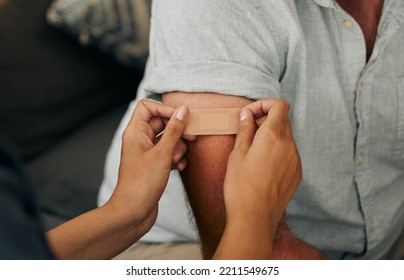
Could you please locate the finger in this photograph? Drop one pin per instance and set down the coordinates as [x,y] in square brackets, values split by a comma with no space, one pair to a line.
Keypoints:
[246,129]
[275,126]
[260,120]
[278,116]
[261,107]
[179,151]
[174,129]
[181,165]
[156,126]
[189,137]
[185,136]
[152,113]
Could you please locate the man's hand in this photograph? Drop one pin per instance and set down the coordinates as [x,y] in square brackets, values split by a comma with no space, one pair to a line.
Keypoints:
[263,172]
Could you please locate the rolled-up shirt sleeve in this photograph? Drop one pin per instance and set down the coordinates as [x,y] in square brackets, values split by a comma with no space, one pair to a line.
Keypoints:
[223,46]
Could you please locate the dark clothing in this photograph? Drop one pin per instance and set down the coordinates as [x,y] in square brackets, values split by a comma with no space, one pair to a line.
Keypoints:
[49,85]
[21,235]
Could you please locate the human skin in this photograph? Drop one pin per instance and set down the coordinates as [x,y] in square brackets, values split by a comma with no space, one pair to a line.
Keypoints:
[255,198]
[145,167]
[132,210]
[118,227]
[204,178]
[263,172]
[367,14]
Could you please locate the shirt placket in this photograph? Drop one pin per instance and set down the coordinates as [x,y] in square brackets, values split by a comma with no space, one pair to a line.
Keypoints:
[358,79]
[362,107]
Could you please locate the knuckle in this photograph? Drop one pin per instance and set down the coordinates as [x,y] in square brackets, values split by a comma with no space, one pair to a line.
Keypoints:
[173,129]
[143,101]
[128,135]
[284,104]
[244,127]
[140,104]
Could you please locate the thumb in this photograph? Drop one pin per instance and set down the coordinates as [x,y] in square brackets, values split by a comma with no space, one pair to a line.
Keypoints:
[246,129]
[173,130]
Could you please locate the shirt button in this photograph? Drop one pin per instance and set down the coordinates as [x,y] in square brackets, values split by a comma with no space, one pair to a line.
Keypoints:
[360,158]
[361,88]
[371,225]
[347,24]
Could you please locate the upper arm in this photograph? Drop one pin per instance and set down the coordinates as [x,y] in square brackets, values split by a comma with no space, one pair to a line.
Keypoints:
[212,145]
[207,156]
[207,160]
[199,49]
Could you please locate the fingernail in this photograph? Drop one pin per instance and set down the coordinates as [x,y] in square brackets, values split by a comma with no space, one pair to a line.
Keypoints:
[243,114]
[181,113]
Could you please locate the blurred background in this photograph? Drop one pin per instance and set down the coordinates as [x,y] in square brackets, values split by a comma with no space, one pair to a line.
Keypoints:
[68,69]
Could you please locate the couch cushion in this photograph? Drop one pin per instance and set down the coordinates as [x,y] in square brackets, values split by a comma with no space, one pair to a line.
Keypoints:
[68,175]
[118,27]
[49,85]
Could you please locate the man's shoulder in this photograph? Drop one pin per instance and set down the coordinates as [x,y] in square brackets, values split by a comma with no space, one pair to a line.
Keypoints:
[219,9]
[266,21]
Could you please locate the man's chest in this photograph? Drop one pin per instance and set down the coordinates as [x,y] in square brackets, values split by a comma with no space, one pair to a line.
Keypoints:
[367,14]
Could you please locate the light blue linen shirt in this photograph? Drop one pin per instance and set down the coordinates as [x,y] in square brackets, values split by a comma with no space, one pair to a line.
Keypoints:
[347,113]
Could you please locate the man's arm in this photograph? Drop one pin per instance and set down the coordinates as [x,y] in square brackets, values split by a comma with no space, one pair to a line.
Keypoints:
[289,247]
[207,161]
[204,177]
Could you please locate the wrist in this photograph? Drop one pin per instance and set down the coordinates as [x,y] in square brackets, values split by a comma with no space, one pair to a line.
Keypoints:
[255,227]
[121,217]
[254,218]
[245,240]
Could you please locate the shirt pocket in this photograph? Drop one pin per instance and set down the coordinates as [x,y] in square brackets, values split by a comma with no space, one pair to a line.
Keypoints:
[398,152]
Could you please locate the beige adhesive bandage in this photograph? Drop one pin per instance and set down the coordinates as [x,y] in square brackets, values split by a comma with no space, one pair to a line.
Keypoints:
[218,121]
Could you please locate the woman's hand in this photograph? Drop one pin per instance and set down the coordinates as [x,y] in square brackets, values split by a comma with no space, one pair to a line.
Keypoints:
[146,160]
[263,173]
[143,173]
[264,170]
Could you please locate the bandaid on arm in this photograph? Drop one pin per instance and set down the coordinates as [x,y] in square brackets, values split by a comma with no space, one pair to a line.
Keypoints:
[215,121]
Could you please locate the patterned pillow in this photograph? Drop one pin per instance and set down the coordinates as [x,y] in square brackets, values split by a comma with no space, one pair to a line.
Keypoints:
[117,27]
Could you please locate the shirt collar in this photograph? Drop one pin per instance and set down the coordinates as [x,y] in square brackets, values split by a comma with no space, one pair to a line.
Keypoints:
[393,16]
